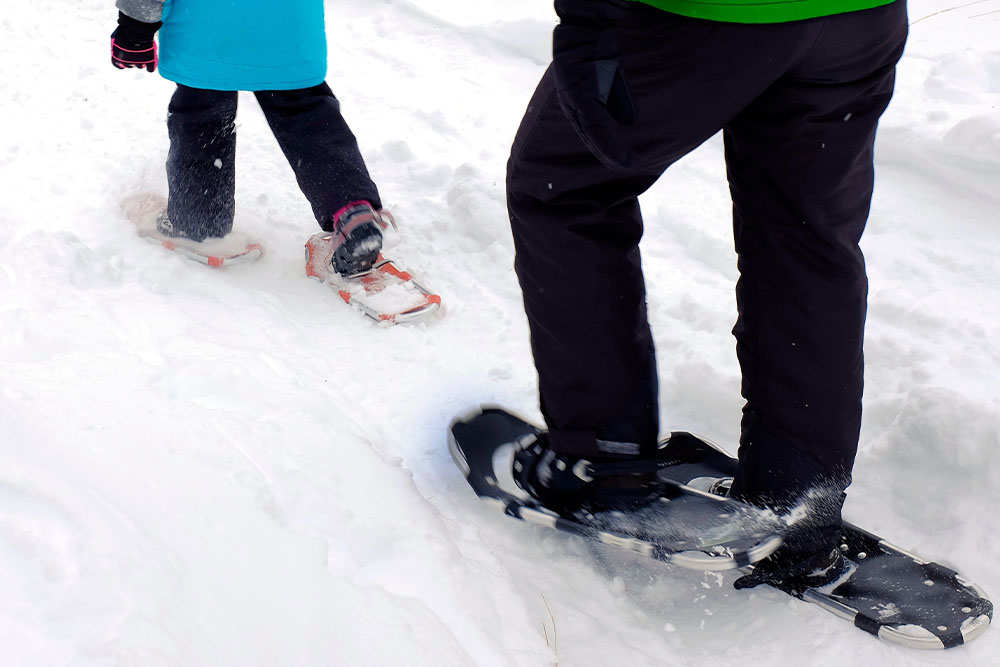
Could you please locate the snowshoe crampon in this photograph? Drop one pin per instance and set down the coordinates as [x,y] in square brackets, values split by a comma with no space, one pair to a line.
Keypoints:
[885,590]
[686,527]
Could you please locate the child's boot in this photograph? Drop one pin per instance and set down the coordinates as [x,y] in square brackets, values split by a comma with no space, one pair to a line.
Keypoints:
[352,246]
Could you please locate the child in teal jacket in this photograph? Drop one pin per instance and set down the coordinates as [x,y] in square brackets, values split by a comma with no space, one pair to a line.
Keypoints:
[213,49]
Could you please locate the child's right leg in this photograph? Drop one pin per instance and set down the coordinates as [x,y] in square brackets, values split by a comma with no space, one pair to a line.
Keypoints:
[201,165]
[331,173]
[321,149]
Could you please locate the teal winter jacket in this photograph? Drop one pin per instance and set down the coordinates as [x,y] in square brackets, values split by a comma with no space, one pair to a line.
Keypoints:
[237,44]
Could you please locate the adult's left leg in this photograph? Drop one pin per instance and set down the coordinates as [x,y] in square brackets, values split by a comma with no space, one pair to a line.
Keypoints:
[576,228]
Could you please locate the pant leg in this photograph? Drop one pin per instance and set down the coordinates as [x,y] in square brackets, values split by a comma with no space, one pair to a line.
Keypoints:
[201,163]
[801,174]
[320,147]
[577,260]
[577,224]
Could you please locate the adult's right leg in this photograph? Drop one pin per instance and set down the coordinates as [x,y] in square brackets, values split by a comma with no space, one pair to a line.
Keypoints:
[800,163]
[201,164]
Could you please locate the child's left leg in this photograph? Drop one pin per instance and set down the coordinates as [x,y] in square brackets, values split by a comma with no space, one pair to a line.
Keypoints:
[321,149]
[201,165]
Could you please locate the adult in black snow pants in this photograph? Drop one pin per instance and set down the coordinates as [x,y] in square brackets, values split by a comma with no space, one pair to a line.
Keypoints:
[632,88]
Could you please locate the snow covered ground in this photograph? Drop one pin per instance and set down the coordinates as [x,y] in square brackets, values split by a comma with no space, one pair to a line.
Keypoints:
[204,468]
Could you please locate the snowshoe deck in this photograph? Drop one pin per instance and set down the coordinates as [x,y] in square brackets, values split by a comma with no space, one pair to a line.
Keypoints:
[687,527]
[885,591]
[236,248]
[385,294]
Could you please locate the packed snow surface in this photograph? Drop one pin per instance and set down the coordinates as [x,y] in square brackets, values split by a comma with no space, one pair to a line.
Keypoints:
[203,467]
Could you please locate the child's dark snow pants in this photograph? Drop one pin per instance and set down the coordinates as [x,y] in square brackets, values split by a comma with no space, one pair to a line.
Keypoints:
[798,104]
[201,165]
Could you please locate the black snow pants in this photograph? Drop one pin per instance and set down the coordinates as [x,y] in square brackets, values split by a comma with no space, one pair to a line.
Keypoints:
[315,138]
[798,104]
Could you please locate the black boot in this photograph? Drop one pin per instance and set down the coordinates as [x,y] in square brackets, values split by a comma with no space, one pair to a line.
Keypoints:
[566,483]
[809,497]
